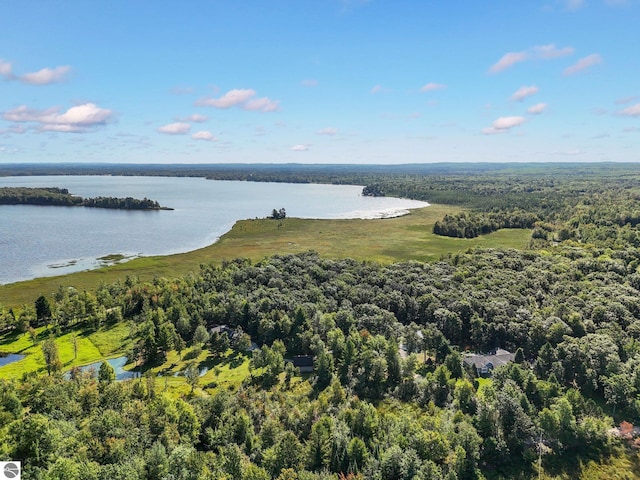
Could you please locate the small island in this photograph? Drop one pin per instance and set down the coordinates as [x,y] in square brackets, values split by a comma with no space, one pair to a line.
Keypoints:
[60,197]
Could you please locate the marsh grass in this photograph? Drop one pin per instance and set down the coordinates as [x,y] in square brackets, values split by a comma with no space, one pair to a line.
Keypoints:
[383,240]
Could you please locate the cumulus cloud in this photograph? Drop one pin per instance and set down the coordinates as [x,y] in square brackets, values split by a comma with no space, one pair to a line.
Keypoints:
[195,118]
[243,98]
[583,64]
[550,51]
[539,52]
[508,60]
[262,105]
[177,128]
[537,109]
[5,69]
[632,111]
[524,92]
[327,131]
[300,148]
[204,135]
[46,76]
[503,125]
[78,119]
[429,87]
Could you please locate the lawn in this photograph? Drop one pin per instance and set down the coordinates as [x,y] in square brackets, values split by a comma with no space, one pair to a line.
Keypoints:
[90,347]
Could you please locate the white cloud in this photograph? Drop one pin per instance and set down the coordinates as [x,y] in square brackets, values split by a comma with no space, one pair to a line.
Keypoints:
[78,119]
[539,52]
[300,148]
[46,76]
[429,87]
[524,92]
[230,99]
[550,51]
[632,111]
[5,69]
[310,82]
[195,118]
[204,135]
[508,60]
[537,109]
[503,125]
[583,64]
[243,98]
[178,128]
[262,105]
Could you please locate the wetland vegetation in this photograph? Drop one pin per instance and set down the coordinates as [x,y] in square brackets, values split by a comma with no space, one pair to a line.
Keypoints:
[387,309]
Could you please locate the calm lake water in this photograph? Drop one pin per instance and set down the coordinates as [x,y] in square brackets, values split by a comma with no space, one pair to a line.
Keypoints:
[44,241]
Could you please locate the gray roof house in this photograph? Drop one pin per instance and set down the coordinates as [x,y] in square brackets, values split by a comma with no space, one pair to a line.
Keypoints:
[485,364]
[303,362]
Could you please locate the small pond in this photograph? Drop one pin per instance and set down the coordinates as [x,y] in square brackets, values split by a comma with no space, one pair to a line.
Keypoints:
[7,358]
[117,364]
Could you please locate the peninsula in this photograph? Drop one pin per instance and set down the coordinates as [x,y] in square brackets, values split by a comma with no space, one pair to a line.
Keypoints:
[53,196]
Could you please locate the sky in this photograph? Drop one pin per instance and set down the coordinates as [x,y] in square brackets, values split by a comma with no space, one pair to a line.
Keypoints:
[319,81]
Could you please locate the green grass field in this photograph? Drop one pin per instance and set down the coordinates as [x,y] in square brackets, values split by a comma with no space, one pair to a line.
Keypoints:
[386,240]
[91,347]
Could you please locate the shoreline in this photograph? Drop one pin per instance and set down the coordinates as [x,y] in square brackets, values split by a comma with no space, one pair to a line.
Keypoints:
[63,267]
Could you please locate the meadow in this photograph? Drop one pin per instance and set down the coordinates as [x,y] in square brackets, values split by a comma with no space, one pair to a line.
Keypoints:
[386,241]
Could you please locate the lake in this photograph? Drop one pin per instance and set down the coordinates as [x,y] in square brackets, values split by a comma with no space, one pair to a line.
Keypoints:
[38,241]
[118,365]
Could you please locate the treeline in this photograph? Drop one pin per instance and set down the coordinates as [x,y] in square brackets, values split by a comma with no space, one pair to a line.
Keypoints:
[473,224]
[38,196]
[61,197]
[127,203]
[390,397]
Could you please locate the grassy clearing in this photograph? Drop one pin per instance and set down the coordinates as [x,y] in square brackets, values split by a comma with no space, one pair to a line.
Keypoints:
[91,347]
[387,240]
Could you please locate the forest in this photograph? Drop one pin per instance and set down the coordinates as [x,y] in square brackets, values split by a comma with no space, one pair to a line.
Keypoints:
[390,395]
[53,196]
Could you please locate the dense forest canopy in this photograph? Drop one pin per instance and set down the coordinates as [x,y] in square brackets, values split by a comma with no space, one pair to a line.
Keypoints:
[54,196]
[390,396]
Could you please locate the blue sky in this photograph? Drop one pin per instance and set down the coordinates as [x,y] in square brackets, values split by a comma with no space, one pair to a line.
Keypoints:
[324,81]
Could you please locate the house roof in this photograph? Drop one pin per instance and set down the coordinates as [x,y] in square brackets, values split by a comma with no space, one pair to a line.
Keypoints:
[221,329]
[500,357]
[302,361]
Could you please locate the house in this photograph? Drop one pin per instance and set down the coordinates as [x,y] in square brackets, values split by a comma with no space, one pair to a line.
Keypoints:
[220,329]
[304,363]
[485,364]
[234,335]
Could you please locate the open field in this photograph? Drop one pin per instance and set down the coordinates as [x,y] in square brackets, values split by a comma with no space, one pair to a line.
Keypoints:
[91,347]
[388,240]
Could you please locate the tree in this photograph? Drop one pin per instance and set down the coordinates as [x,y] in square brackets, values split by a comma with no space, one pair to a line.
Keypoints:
[324,369]
[51,358]
[200,336]
[43,309]
[278,214]
[192,375]
[106,373]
